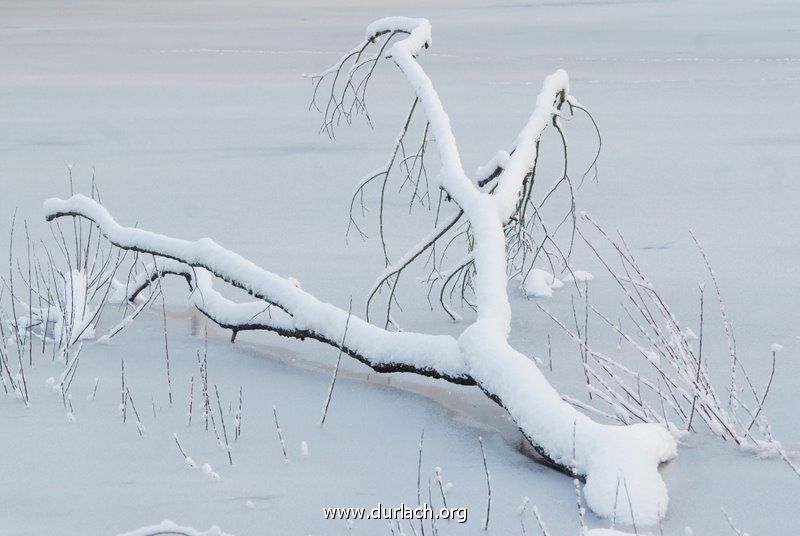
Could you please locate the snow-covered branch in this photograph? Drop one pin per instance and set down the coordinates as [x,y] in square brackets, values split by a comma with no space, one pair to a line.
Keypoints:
[384,351]
[564,436]
[489,214]
[569,440]
[249,316]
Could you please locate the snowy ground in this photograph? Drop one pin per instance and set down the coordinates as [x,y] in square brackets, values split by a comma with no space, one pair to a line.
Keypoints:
[194,117]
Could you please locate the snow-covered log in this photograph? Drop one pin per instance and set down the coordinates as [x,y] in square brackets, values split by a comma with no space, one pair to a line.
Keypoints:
[605,454]
[611,458]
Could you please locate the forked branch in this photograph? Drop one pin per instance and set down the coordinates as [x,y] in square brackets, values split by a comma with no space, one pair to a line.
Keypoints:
[567,439]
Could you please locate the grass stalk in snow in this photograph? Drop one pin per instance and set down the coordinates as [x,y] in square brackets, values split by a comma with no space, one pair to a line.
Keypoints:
[540,521]
[139,425]
[674,387]
[123,405]
[336,368]
[189,461]
[419,476]
[57,292]
[166,342]
[434,529]
[15,325]
[203,365]
[488,486]
[93,394]
[238,418]
[441,485]
[227,445]
[280,434]
[731,523]
[191,401]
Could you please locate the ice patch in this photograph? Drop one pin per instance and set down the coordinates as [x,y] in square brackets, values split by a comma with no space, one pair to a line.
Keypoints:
[579,276]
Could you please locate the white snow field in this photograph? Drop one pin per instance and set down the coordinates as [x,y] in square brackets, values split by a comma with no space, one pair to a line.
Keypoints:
[194,117]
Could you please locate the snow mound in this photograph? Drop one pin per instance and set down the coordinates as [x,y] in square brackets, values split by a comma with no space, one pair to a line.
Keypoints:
[168,527]
[540,284]
[625,463]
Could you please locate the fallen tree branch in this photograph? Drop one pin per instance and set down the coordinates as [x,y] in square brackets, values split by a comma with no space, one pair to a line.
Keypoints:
[567,439]
[254,316]
[481,356]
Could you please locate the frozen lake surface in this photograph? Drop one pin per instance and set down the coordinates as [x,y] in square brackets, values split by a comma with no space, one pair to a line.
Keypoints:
[194,117]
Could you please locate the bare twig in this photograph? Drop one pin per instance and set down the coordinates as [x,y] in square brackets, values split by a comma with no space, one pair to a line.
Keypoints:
[488,486]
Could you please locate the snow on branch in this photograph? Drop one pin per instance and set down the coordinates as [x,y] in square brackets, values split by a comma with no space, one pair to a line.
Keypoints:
[508,200]
[568,440]
[430,355]
[226,313]
[565,437]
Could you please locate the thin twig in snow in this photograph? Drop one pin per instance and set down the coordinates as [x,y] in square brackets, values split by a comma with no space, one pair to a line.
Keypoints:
[488,486]
[280,434]
[336,368]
